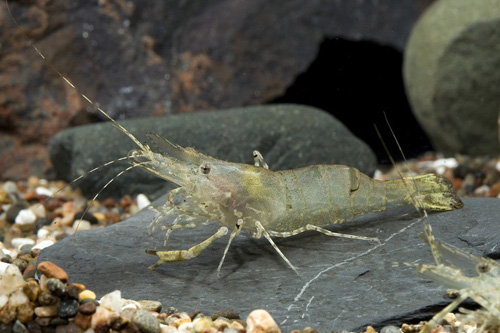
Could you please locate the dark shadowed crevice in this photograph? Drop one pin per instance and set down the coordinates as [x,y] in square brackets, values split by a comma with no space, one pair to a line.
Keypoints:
[357,82]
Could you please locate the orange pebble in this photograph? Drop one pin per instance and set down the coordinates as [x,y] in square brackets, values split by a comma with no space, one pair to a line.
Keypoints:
[51,270]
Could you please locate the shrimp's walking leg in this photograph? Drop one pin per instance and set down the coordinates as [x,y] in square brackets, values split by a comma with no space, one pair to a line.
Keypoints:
[179,255]
[323,231]
[440,316]
[262,231]
[234,233]
[258,160]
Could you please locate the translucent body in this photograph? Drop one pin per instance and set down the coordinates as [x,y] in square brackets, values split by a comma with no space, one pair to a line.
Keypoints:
[282,203]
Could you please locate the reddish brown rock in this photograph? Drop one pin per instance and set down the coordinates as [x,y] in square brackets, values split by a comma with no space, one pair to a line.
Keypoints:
[51,270]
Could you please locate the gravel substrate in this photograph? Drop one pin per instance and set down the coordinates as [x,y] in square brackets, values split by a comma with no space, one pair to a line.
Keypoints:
[37,213]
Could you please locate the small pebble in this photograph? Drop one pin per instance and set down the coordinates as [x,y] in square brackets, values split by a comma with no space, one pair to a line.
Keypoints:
[72,290]
[261,321]
[25,216]
[100,316]
[20,241]
[55,286]
[17,298]
[151,306]
[83,321]
[21,264]
[46,311]
[43,244]
[142,201]
[146,322]
[19,327]
[44,191]
[26,248]
[45,298]
[14,210]
[80,225]
[24,313]
[87,294]
[87,308]
[67,308]
[31,289]
[112,301]
[51,270]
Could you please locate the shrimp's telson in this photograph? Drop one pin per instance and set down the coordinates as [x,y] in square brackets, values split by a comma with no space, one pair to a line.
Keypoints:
[264,202]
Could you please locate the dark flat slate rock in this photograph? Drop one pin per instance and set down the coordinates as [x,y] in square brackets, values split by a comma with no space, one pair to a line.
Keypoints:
[288,135]
[344,284]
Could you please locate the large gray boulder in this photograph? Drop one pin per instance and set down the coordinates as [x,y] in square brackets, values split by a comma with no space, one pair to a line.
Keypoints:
[451,74]
[344,284]
[289,136]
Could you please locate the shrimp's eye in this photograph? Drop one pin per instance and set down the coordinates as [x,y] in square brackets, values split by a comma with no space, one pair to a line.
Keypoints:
[483,267]
[205,168]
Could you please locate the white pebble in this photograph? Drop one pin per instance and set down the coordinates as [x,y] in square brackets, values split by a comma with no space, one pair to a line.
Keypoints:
[18,242]
[43,244]
[3,300]
[44,191]
[112,301]
[11,280]
[43,233]
[25,216]
[10,187]
[3,267]
[186,327]
[167,329]
[142,201]
[38,210]
[80,225]
[17,298]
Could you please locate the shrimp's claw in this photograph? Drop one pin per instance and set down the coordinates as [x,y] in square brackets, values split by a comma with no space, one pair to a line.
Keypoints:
[179,255]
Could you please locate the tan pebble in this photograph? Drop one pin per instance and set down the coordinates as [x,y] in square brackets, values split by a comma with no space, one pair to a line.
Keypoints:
[43,321]
[32,290]
[370,329]
[260,321]
[87,294]
[99,216]
[33,181]
[17,298]
[117,322]
[236,325]
[150,305]
[186,327]
[100,316]
[51,270]
[179,321]
[79,285]
[7,314]
[46,310]
[168,329]
[204,324]
[4,197]
[24,313]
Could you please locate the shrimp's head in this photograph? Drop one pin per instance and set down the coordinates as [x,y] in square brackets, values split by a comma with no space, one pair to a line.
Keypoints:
[229,188]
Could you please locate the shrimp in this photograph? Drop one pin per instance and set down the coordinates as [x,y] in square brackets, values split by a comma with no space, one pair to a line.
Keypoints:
[473,276]
[266,203]
[263,202]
